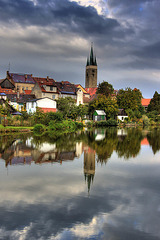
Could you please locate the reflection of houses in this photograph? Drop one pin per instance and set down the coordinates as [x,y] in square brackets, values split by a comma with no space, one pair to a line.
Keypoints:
[17,153]
[99,134]
[121,132]
[89,165]
[144,142]
[26,152]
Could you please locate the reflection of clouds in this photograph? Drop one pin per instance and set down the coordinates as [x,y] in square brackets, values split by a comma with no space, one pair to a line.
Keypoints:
[51,202]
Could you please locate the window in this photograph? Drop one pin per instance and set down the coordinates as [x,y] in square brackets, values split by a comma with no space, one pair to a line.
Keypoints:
[53,96]
[51,88]
[32,104]
[43,94]
[26,88]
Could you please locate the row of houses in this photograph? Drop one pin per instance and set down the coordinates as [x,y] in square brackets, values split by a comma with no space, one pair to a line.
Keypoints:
[26,92]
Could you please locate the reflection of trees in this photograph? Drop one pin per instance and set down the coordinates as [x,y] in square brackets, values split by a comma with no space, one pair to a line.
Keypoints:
[129,145]
[153,138]
[105,147]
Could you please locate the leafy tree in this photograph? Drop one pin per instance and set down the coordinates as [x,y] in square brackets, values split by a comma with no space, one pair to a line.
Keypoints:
[154,103]
[66,105]
[129,99]
[109,105]
[82,110]
[105,88]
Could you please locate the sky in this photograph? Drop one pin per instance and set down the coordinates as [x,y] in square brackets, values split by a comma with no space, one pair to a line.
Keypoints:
[53,38]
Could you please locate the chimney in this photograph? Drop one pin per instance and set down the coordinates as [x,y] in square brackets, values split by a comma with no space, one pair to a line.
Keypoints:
[47,78]
[17,92]
[31,75]
[25,77]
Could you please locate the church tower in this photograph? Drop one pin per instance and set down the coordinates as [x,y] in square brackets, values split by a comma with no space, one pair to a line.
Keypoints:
[91,71]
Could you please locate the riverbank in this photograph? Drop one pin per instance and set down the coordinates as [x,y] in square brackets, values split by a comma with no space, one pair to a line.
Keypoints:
[9,129]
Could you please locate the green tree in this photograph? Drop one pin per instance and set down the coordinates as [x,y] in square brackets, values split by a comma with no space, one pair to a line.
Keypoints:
[82,111]
[129,99]
[105,88]
[154,103]
[109,105]
[65,106]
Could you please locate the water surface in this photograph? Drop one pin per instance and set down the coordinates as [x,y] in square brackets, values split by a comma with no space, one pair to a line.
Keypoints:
[103,184]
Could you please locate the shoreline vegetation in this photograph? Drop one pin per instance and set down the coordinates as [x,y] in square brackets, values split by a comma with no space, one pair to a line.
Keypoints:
[59,127]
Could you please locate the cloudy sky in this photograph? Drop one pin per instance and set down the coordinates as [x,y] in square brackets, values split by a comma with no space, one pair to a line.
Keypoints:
[53,37]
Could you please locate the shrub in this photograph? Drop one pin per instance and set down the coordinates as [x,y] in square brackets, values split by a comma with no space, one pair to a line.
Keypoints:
[53,116]
[145,120]
[111,122]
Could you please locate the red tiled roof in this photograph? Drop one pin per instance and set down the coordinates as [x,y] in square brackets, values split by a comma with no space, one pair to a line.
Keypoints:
[5,90]
[86,99]
[91,91]
[28,91]
[145,101]
[44,81]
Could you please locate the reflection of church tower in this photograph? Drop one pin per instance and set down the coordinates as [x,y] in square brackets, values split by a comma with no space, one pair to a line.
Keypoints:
[91,71]
[89,166]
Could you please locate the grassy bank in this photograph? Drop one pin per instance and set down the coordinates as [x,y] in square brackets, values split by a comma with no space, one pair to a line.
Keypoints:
[15,129]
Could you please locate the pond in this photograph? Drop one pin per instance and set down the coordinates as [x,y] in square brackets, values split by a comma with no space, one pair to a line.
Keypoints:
[101,184]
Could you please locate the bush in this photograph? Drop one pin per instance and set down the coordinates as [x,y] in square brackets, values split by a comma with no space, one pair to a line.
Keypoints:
[145,120]
[39,128]
[53,116]
[111,122]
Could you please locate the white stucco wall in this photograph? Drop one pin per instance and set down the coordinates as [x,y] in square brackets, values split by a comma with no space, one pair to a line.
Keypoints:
[121,118]
[46,103]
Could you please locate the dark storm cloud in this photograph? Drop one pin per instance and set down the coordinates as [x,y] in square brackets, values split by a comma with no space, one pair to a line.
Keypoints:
[149,52]
[63,15]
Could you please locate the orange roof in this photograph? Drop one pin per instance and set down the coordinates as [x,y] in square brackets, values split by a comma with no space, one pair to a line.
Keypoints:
[28,91]
[91,91]
[5,90]
[145,101]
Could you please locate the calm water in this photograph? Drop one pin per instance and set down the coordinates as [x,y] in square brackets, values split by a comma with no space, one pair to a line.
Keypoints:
[97,185]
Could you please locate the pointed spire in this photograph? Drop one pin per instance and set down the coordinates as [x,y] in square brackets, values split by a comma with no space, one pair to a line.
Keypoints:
[95,61]
[87,64]
[91,55]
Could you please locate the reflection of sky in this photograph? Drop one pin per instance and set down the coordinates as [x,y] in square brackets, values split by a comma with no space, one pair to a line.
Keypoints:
[51,201]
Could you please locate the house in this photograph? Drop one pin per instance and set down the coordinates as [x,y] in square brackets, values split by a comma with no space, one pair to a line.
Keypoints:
[6,84]
[5,104]
[121,115]
[45,104]
[67,89]
[21,81]
[47,87]
[18,101]
[99,115]
[145,102]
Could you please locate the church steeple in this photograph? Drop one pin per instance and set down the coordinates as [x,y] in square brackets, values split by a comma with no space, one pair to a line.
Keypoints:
[91,70]
[92,59]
